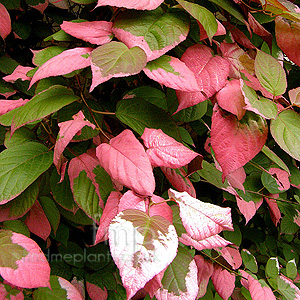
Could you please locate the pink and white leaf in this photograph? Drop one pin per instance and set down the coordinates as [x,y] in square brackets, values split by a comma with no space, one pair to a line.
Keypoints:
[205,270]
[67,130]
[95,292]
[211,73]
[79,285]
[132,4]
[95,32]
[274,209]
[126,161]
[18,73]
[5,22]
[179,180]
[63,63]
[201,219]
[211,242]
[248,209]
[230,98]
[140,255]
[109,212]
[172,73]
[191,282]
[33,270]
[72,292]
[8,105]
[37,221]
[164,151]
[236,143]
[223,281]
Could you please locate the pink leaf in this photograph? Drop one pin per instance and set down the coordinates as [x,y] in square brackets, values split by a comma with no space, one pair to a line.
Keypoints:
[141,247]
[173,73]
[154,284]
[63,63]
[41,6]
[63,4]
[161,208]
[211,242]
[230,98]
[132,4]
[164,151]
[33,270]
[205,270]
[281,177]
[223,281]
[109,212]
[248,209]
[210,71]
[294,95]
[95,32]
[79,285]
[5,22]
[67,131]
[4,293]
[203,35]
[132,201]
[297,218]
[126,161]
[200,219]
[179,180]
[72,292]
[238,58]
[259,292]
[37,221]
[274,209]
[191,287]
[8,94]
[288,38]
[8,105]
[95,292]
[236,143]
[18,73]
[237,178]
[232,256]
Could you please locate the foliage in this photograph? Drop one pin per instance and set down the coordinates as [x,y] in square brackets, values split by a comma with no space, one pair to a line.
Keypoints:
[149,149]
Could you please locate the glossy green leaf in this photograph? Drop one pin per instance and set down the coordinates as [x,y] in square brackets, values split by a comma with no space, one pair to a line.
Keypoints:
[270,73]
[249,261]
[291,269]
[192,113]
[203,15]
[20,136]
[43,104]
[20,166]
[285,130]
[272,267]
[139,114]
[40,57]
[234,236]
[230,7]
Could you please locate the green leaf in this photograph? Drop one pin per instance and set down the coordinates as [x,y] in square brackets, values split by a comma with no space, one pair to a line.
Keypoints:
[115,59]
[104,279]
[51,211]
[119,295]
[270,73]
[272,267]
[285,130]
[175,274]
[203,15]
[249,261]
[62,192]
[43,104]
[62,234]
[40,57]
[285,288]
[275,158]
[85,195]
[60,268]
[150,94]
[291,269]
[72,254]
[79,217]
[6,88]
[34,2]
[192,113]
[97,257]
[230,7]
[11,4]
[234,236]
[10,252]
[20,136]
[55,293]
[139,114]
[270,183]
[20,166]
[84,1]
[262,106]
[104,182]
[17,226]
[7,64]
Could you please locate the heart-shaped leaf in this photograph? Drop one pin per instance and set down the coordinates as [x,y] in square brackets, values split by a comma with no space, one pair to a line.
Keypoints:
[126,161]
[141,247]
[144,29]
[285,130]
[235,143]
[210,71]
[172,72]
[115,59]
